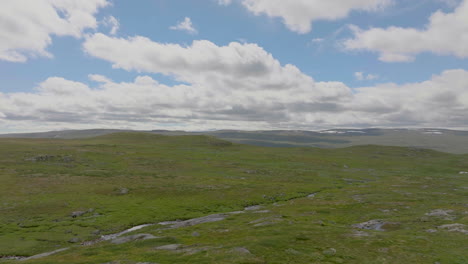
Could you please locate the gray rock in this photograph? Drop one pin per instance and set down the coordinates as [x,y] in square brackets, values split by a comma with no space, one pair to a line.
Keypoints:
[383,250]
[195,221]
[78,213]
[292,251]
[41,158]
[329,252]
[424,219]
[67,159]
[45,158]
[42,255]
[236,212]
[267,223]
[133,229]
[358,198]
[11,258]
[460,228]
[74,240]
[171,247]
[126,239]
[262,211]
[187,250]
[241,250]
[195,234]
[378,225]
[193,250]
[441,213]
[253,208]
[123,191]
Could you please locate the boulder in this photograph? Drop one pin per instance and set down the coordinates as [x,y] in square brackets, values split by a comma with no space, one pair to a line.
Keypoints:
[126,239]
[123,191]
[78,213]
[74,240]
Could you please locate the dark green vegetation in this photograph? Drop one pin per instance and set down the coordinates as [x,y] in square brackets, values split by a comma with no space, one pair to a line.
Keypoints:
[128,179]
[444,140]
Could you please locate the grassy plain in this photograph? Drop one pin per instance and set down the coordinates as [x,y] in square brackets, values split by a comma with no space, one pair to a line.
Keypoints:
[43,181]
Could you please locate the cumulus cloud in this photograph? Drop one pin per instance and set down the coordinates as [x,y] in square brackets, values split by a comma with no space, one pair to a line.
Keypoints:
[440,101]
[185,25]
[27,27]
[445,34]
[99,78]
[298,15]
[361,76]
[236,66]
[232,86]
[112,23]
[147,104]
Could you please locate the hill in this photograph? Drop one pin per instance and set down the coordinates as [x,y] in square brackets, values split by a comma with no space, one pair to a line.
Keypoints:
[451,141]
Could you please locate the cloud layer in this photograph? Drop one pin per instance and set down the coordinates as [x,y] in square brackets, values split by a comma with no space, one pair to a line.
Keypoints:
[146,104]
[233,86]
[445,34]
[27,27]
[298,15]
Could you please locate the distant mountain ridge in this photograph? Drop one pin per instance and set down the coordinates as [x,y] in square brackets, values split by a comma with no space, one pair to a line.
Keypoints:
[445,140]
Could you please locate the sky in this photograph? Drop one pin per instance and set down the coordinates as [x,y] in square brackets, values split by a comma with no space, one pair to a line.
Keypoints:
[201,65]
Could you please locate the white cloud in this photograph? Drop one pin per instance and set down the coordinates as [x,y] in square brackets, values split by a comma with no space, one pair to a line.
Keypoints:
[224,2]
[361,76]
[441,101]
[185,25]
[298,15]
[232,86]
[144,103]
[446,34]
[99,78]
[235,66]
[112,23]
[27,27]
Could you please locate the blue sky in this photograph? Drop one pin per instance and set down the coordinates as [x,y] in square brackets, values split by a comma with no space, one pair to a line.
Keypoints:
[375,63]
